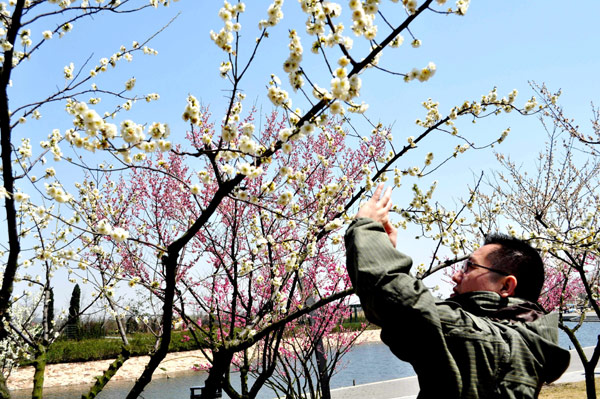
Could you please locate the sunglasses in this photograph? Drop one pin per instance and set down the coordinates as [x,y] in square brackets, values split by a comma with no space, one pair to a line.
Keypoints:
[470,265]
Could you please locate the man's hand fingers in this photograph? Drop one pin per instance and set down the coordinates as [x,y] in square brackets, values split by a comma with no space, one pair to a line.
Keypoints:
[377,194]
[386,201]
[392,232]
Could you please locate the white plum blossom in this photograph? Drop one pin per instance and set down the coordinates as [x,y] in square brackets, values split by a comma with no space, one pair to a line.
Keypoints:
[4,193]
[104,227]
[130,84]
[279,97]
[132,132]
[119,234]
[284,134]
[285,198]
[192,110]
[421,75]
[21,197]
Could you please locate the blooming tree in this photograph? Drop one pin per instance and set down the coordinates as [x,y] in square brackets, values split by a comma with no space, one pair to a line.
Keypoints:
[261,204]
[267,265]
[556,209]
[36,237]
[298,372]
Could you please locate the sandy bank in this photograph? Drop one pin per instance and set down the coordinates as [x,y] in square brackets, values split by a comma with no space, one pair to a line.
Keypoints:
[65,374]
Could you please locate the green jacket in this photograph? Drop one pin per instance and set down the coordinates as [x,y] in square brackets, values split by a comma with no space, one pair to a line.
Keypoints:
[475,345]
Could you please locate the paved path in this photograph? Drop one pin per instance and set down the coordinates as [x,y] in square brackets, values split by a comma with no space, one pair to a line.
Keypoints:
[408,388]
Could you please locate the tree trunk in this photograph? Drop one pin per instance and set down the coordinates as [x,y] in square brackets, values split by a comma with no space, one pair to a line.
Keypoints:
[590,381]
[170,265]
[4,393]
[590,371]
[12,262]
[38,377]
[323,376]
[220,365]
[322,365]
[108,374]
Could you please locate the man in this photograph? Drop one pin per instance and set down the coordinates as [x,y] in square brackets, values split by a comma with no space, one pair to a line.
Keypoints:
[489,340]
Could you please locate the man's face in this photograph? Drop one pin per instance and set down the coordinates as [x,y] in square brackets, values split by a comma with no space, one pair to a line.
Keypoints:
[478,278]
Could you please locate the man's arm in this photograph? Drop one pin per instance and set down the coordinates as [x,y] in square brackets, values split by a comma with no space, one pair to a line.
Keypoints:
[380,275]
[397,301]
[401,305]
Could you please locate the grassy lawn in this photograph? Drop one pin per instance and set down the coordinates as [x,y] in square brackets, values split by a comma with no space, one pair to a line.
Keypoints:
[84,350]
[570,390]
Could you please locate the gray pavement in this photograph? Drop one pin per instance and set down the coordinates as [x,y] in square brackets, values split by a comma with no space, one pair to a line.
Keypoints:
[408,388]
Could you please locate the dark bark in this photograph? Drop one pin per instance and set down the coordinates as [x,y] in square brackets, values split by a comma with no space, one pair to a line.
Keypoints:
[220,365]
[321,357]
[170,264]
[14,247]
[322,366]
[590,372]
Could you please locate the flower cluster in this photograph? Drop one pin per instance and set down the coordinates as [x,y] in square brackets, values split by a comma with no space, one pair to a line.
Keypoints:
[130,84]
[292,64]
[25,35]
[249,170]
[68,71]
[278,96]
[229,14]
[433,115]
[343,87]
[274,15]
[247,144]
[225,68]
[317,24]
[123,53]
[56,192]
[421,75]
[192,111]
[363,17]
[116,233]
[530,105]
[462,6]
[153,3]
[99,132]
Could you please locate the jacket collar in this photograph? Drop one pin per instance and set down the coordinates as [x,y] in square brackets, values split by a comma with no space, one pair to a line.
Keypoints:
[492,305]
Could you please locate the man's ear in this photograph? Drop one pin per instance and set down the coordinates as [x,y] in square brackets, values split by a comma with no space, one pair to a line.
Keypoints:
[509,285]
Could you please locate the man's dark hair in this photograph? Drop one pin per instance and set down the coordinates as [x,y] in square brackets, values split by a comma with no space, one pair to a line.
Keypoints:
[521,260]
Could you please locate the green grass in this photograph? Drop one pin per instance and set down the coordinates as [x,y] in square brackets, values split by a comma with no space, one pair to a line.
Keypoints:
[570,390]
[84,350]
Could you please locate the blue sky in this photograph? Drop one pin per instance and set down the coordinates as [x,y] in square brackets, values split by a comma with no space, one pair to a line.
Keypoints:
[503,44]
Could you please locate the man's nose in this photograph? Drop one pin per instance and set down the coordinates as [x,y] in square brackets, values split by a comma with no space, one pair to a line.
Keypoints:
[457,276]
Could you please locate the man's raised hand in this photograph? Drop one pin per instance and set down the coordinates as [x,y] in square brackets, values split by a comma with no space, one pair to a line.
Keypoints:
[378,208]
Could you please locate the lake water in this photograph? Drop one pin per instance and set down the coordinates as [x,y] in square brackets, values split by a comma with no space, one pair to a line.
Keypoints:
[365,363]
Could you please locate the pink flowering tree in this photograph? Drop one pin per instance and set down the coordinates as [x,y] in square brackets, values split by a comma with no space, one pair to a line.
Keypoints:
[265,263]
[302,359]
[562,287]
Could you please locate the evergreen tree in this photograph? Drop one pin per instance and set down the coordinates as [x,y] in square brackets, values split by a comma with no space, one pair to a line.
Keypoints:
[73,323]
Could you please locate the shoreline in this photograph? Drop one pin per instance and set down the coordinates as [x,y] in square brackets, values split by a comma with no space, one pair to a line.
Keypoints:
[68,374]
